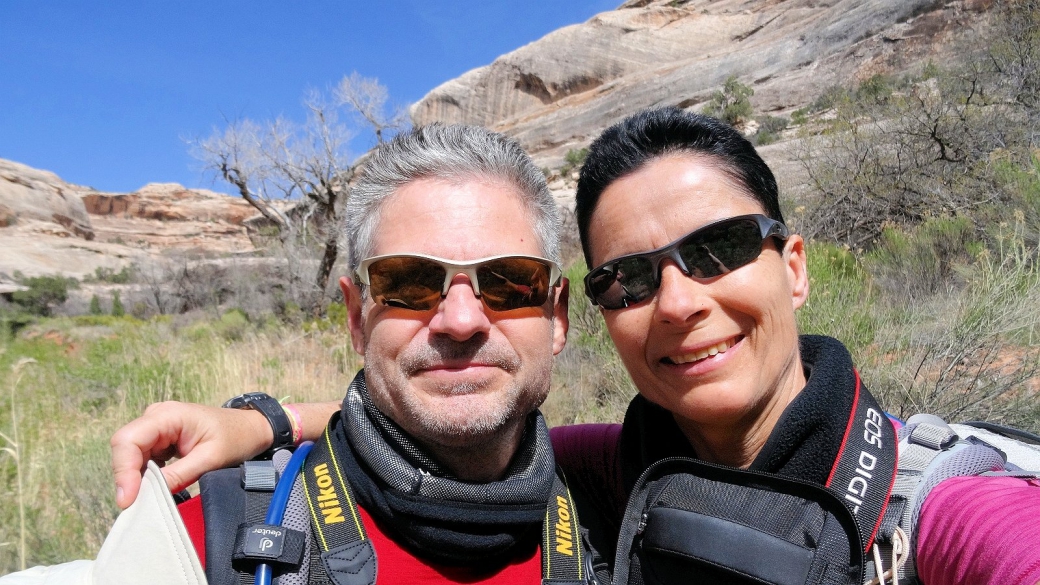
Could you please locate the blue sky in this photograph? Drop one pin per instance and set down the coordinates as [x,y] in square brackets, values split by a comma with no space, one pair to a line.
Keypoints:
[105,93]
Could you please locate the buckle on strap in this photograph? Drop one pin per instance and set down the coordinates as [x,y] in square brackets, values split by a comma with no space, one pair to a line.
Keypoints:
[259,476]
[933,436]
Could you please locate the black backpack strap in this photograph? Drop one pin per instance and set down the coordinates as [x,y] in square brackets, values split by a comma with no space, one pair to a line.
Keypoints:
[231,498]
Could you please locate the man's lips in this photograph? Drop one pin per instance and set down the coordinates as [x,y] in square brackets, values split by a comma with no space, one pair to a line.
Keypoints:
[702,353]
[455,367]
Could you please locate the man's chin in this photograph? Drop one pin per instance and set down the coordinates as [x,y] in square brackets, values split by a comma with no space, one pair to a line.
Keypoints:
[465,419]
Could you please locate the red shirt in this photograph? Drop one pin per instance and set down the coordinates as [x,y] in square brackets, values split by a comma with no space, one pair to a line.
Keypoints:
[397,565]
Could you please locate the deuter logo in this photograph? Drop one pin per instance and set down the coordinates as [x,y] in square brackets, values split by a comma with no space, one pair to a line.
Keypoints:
[564,536]
[264,541]
[267,532]
[328,501]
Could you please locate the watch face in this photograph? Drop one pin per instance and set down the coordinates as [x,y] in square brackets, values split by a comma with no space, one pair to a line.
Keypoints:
[243,400]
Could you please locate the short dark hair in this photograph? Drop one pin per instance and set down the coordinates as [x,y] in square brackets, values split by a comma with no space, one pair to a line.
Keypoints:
[628,145]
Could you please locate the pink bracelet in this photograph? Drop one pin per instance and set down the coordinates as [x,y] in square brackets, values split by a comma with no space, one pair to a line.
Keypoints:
[295,422]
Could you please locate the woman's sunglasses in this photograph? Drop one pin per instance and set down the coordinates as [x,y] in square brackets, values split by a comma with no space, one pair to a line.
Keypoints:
[707,252]
[418,282]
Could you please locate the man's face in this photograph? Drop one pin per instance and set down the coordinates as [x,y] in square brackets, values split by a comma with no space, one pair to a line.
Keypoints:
[458,373]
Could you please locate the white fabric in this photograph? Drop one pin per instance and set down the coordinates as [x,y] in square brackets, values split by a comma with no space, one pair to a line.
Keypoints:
[147,544]
[1019,453]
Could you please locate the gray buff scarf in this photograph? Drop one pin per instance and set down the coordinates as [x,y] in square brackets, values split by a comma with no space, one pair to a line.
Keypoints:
[417,500]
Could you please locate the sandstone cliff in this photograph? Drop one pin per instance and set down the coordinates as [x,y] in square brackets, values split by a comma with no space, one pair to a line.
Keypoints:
[49,226]
[28,194]
[165,216]
[560,91]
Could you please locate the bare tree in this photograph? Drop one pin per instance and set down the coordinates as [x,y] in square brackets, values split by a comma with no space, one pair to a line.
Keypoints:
[295,174]
[899,152]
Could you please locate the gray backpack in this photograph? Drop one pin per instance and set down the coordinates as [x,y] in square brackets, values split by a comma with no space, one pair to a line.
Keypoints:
[931,451]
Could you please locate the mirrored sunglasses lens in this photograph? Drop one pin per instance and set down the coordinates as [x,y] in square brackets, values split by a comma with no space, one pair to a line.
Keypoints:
[513,283]
[410,283]
[624,282]
[722,249]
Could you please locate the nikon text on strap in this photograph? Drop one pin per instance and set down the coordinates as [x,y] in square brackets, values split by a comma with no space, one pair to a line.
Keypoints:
[350,559]
[346,551]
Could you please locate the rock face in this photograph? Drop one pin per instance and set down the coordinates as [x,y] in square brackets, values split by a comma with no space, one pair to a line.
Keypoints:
[28,194]
[48,226]
[169,202]
[562,90]
[167,216]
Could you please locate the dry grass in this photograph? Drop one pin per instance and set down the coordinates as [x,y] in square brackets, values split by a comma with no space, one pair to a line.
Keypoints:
[94,375]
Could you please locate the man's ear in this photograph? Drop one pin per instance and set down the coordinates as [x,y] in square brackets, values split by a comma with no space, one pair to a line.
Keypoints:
[797,270]
[561,321]
[352,297]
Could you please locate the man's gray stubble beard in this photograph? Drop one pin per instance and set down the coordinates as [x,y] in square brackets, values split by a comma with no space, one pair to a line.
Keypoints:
[517,402]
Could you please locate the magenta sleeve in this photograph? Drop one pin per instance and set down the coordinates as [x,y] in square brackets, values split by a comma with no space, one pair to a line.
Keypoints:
[980,530]
[589,455]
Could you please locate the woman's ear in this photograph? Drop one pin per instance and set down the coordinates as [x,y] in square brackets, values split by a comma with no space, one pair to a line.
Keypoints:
[797,270]
[561,321]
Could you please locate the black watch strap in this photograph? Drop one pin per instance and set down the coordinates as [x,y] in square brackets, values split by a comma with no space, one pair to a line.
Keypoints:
[272,411]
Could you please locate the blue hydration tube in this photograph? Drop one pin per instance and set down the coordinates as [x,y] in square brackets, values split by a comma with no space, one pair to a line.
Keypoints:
[280,499]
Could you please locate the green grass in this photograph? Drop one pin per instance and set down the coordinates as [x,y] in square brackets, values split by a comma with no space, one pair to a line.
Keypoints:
[92,374]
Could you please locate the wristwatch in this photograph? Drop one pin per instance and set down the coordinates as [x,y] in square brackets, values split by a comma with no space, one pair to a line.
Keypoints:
[272,411]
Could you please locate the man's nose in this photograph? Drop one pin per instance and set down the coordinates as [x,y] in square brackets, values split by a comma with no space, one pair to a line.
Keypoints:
[461,314]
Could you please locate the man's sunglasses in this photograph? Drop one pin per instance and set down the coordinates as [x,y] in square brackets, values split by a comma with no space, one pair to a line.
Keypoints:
[419,282]
[707,252]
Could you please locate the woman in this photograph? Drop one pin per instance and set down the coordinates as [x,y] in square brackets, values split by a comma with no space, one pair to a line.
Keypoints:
[698,281]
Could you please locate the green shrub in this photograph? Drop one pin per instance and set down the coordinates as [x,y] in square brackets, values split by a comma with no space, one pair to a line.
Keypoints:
[104,274]
[573,159]
[877,89]
[337,314]
[233,325]
[922,260]
[117,305]
[841,301]
[44,293]
[95,305]
[732,103]
[769,129]
[831,97]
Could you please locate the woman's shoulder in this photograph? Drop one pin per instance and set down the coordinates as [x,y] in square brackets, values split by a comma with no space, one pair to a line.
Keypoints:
[980,529]
[586,448]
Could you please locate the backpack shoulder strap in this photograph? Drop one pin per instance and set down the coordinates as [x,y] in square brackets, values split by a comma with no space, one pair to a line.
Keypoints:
[930,452]
[1021,449]
[231,497]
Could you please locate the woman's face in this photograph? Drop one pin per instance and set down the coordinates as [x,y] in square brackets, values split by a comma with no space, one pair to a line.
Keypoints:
[715,352]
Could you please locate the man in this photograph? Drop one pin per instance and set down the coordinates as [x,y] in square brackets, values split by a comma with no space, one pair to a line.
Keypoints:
[455,300]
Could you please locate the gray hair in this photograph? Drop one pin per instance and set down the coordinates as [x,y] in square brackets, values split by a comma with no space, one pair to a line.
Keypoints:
[446,152]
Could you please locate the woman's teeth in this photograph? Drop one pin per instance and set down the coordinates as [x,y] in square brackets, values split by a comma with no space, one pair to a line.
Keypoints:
[703,353]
